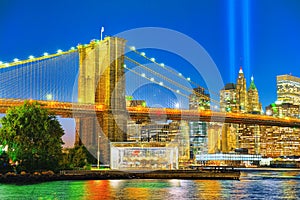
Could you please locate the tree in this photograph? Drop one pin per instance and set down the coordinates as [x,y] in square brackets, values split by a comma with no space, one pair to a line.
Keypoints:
[80,157]
[33,137]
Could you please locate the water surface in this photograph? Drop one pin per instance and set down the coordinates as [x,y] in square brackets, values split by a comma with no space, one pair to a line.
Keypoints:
[253,185]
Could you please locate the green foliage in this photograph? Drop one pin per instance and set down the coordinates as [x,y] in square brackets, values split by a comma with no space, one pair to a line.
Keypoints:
[77,158]
[33,136]
[4,163]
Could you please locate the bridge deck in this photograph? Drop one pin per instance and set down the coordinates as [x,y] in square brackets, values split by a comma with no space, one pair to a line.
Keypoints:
[69,110]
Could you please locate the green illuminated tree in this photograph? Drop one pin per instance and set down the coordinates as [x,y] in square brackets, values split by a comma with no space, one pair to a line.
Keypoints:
[33,137]
[80,157]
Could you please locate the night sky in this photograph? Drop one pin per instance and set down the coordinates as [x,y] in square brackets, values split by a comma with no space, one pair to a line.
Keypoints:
[263,36]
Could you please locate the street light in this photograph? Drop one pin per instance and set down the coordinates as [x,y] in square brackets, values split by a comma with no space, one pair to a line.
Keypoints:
[49,97]
[98,153]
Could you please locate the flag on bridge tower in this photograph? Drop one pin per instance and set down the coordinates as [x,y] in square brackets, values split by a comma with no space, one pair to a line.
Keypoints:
[102,30]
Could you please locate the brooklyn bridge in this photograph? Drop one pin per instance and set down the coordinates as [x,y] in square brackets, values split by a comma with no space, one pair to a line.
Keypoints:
[88,83]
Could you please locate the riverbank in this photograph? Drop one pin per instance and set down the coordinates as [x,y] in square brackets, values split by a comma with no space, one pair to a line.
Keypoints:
[223,174]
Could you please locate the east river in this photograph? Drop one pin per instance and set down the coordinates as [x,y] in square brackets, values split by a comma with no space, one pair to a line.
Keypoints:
[252,185]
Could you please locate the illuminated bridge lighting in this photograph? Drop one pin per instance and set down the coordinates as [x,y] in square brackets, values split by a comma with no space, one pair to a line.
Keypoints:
[32,59]
[67,109]
[209,116]
[49,96]
[168,80]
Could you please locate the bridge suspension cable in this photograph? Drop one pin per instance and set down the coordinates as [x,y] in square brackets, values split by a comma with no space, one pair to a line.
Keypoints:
[31,59]
[50,77]
[162,65]
[161,76]
[189,90]
[152,80]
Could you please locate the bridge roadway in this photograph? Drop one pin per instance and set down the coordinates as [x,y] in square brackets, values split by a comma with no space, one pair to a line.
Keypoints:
[72,110]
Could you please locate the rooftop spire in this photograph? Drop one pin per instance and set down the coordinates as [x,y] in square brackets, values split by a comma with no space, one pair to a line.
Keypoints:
[252,85]
[241,70]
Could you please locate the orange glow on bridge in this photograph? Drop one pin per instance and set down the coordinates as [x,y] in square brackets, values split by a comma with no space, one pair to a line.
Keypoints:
[69,110]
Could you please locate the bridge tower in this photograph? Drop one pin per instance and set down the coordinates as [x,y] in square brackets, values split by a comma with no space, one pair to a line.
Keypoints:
[101,82]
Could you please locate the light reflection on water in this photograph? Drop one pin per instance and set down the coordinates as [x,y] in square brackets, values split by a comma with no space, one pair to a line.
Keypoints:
[253,185]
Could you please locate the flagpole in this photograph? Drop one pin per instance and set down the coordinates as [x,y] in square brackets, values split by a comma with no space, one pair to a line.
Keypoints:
[102,30]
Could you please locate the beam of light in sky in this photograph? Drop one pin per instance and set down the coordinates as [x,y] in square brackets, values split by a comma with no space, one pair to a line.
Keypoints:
[231,28]
[246,38]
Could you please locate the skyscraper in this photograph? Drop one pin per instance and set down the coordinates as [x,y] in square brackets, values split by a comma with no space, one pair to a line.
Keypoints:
[253,99]
[288,89]
[228,101]
[236,98]
[198,138]
[199,99]
[241,92]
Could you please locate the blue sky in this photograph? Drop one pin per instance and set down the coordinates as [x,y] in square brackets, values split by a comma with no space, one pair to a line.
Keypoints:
[261,35]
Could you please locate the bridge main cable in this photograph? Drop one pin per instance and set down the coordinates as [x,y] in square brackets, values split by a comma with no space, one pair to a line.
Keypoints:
[162,65]
[178,92]
[33,59]
[159,75]
[169,80]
